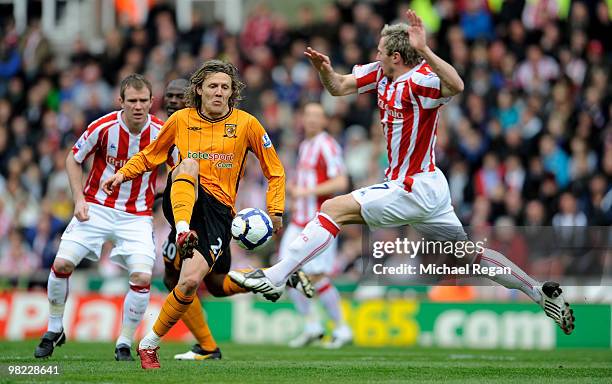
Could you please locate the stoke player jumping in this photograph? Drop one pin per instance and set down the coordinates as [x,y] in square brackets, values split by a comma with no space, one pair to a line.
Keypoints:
[411,83]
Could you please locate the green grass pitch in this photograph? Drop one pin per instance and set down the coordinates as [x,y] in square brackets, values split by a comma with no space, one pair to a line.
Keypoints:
[94,363]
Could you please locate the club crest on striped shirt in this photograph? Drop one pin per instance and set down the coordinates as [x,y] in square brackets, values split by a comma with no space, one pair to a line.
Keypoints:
[230,130]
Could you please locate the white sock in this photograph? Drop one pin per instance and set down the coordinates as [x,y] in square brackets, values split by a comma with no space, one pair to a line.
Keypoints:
[181,227]
[57,293]
[316,237]
[330,298]
[517,280]
[150,341]
[134,307]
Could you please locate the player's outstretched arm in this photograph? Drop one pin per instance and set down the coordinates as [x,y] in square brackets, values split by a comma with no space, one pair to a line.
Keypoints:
[75,177]
[150,157]
[109,185]
[451,81]
[273,170]
[335,83]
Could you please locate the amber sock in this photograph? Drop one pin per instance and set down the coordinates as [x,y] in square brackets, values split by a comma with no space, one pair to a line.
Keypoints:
[176,304]
[182,196]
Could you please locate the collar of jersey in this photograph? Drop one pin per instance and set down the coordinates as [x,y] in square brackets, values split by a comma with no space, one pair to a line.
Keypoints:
[215,120]
[407,75]
[122,123]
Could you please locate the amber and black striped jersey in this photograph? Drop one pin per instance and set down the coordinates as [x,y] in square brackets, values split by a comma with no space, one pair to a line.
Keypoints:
[220,146]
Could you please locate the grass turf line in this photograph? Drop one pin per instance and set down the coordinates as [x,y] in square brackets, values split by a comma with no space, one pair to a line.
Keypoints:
[94,363]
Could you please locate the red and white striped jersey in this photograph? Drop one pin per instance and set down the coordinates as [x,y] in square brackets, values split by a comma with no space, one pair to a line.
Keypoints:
[319,159]
[409,115]
[112,144]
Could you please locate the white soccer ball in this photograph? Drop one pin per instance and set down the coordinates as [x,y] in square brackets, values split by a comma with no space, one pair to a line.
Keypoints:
[252,228]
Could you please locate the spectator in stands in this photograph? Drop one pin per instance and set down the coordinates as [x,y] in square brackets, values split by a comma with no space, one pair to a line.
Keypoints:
[569,215]
[16,257]
[536,71]
[555,160]
[476,21]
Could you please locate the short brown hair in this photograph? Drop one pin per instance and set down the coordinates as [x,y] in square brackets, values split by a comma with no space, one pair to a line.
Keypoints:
[397,41]
[192,99]
[136,81]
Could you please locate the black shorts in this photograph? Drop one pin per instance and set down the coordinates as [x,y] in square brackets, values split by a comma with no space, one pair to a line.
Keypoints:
[212,222]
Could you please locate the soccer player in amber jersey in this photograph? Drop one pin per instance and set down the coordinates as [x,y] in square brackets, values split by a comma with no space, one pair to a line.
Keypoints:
[411,84]
[213,138]
[123,216]
[206,346]
[217,281]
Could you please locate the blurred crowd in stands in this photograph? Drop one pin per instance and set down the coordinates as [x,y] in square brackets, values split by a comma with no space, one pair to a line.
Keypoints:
[529,142]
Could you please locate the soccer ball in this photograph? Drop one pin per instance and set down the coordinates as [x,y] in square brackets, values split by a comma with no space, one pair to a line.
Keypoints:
[251,228]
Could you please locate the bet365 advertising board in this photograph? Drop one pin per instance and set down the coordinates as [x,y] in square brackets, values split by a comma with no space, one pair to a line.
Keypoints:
[401,322]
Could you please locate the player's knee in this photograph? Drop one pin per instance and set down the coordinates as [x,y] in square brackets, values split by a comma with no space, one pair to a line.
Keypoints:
[62,265]
[140,278]
[188,284]
[332,207]
[342,209]
[189,166]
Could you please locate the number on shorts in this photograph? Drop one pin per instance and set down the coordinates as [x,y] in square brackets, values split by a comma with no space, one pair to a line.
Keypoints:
[381,186]
[169,250]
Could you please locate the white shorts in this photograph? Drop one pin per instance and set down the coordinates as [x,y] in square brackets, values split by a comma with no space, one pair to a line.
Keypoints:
[323,263]
[427,207]
[131,234]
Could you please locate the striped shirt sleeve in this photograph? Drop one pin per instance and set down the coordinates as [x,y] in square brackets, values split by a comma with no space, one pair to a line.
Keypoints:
[85,145]
[89,140]
[367,76]
[426,85]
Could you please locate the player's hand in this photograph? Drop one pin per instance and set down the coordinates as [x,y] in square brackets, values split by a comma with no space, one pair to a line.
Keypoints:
[109,185]
[416,31]
[81,210]
[321,62]
[277,223]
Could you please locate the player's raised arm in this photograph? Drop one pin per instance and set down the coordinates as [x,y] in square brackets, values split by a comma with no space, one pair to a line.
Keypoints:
[451,81]
[335,83]
[153,155]
[273,170]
